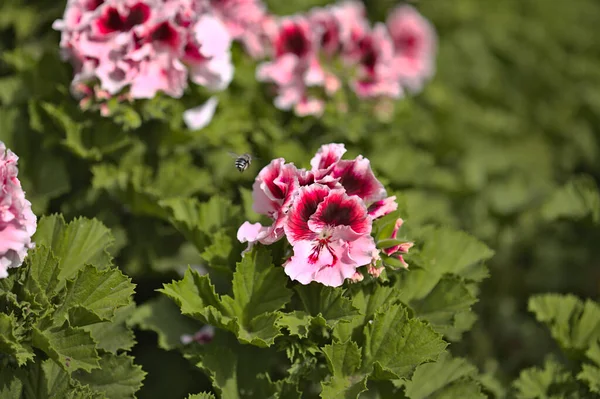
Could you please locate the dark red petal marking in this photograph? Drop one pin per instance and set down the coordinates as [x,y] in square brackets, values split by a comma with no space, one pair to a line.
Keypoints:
[138,14]
[304,206]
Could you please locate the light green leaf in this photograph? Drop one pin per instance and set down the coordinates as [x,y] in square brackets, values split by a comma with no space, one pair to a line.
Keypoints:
[114,335]
[344,363]
[326,302]
[81,242]
[60,385]
[436,380]
[258,286]
[100,292]
[573,323]
[396,344]
[71,348]
[576,199]
[42,274]
[203,395]
[164,317]
[368,300]
[536,383]
[297,323]
[259,292]
[590,374]
[117,378]
[441,305]
[10,343]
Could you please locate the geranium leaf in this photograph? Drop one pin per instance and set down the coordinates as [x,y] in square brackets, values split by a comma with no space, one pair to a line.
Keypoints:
[76,244]
[114,335]
[576,199]
[344,361]
[449,297]
[573,323]
[60,385]
[536,383]
[296,322]
[72,348]
[99,292]
[439,379]
[203,395]
[42,274]
[368,300]
[117,377]
[227,363]
[10,385]
[9,342]
[396,344]
[327,302]
[590,374]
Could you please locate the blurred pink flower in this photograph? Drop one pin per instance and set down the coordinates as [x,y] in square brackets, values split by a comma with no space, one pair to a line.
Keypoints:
[398,250]
[17,221]
[199,117]
[414,41]
[146,46]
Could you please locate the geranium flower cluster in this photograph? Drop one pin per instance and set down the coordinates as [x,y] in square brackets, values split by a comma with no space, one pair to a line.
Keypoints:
[149,46]
[325,213]
[311,52]
[17,221]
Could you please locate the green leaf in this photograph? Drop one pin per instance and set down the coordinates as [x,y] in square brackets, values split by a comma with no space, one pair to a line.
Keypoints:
[10,343]
[71,348]
[164,317]
[81,242]
[590,374]
[114,335]
[60,385]
[203,395]
[441,305]
[259,292]
[10,386]
[576,199]
[573,323]
[344,363]
[437,380]
[43,269]
[297,323]
[326,302]
[101,292]
[227,363]
[536,383]
[118,377]
[395,344]
[368,300]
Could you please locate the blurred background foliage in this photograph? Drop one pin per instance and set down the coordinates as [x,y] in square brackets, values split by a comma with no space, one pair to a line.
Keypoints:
[503,143]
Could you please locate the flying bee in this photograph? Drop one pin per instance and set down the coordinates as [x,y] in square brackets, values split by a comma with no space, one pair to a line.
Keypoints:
[242,161]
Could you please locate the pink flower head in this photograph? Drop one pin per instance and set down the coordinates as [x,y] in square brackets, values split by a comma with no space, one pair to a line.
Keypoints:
[414,41]
[17,221]
[145,46]
[327,156]
[376,73]
[328,29]
[273,193]
[245,20]
[329,232]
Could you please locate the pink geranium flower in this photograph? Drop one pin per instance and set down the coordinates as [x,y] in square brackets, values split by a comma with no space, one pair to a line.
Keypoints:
[398,250]
[17,221]
[329,231]
[414,46]
[326,215]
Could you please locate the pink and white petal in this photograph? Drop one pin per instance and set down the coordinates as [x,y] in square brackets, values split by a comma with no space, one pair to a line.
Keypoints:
[305,204]
[339,209]
[199,117]
[333,275]
[281,71]
[251,232]
[327,155]
[363,250]
[299,267]
[310,106]
[213,35]
[358,179]
[383,207]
